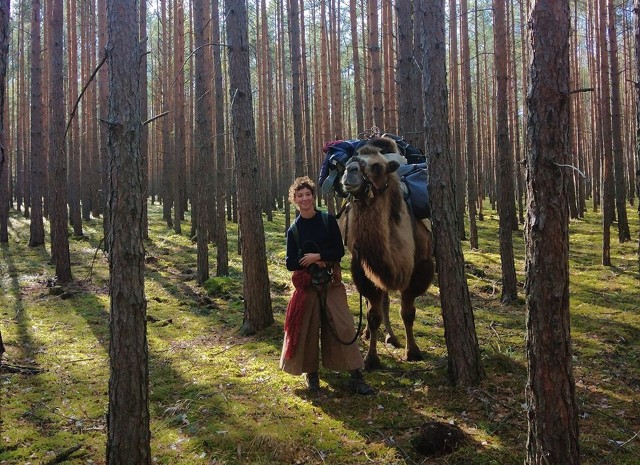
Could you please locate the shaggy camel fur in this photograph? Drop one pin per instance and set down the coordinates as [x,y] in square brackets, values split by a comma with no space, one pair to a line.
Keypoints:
[391,251]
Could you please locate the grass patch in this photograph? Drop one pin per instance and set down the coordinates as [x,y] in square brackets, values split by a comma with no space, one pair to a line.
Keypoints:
[217,397]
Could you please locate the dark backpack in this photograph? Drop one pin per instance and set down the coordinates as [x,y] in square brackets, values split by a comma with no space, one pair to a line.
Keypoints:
[414,179]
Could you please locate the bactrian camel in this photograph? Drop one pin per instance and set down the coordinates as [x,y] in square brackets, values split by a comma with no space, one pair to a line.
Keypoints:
[391,251]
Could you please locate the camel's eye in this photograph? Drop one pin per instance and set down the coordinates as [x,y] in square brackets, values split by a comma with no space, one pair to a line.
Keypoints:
[376,168]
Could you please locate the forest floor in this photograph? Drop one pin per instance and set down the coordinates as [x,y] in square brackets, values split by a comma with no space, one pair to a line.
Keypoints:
[217,397]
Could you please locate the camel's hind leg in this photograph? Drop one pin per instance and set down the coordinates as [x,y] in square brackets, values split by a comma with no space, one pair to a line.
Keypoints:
[391,338]
[420,280]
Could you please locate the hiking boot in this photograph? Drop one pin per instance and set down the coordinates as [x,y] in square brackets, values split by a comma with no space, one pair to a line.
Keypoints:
[358,384]
[313,381]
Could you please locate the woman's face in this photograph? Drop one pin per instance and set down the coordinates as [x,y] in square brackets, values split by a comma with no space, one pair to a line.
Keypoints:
[304,199]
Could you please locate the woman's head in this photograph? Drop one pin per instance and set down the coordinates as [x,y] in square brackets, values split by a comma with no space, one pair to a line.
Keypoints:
[303,182]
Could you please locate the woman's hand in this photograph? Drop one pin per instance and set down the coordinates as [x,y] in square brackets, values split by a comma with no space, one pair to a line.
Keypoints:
[311,258]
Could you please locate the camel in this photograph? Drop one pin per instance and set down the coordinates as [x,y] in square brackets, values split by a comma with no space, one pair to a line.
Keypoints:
[390,250]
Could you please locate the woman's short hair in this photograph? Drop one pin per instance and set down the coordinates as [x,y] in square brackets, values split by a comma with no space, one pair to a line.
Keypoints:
[303,182]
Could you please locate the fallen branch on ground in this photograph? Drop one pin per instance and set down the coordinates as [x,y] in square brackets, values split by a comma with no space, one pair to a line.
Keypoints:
[64,455]
[23,370]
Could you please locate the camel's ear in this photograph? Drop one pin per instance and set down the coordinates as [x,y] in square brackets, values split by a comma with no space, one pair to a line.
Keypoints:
[392,166]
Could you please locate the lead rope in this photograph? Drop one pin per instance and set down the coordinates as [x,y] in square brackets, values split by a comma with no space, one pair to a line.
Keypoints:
[325,314]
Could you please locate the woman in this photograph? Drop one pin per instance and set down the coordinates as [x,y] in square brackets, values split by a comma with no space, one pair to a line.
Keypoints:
[318,313]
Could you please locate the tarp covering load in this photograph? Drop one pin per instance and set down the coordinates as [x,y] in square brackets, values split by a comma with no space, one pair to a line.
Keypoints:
[414,174]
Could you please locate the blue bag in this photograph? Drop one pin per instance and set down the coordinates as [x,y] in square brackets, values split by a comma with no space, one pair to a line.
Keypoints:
[415,178]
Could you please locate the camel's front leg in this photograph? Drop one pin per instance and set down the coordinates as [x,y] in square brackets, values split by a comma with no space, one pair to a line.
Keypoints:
[408,313]
[391,338]
[374,319]
[374,297]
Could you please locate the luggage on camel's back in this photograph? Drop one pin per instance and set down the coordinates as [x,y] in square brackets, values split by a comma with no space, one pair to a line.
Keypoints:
[414,174]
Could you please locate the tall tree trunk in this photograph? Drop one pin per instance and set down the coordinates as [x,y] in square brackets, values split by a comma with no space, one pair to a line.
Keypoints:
[375,66]
[472,194]
[325,114]
[636,30]
[577,126]
[550,392]
[480,126]
[357,77]
[504,156]
[335,79]
[128,435]
[144,137]
[36,226]
[460,333]
[168,171]
[257,299]
[86,156]
[389,69]
[22,139]
[624,234]
[203,130]
[515,120]
[58,153]
[4,172]
[177,79]
[222,255]
[75,215]
[455,117]
[409,109]
[311,161]
[101,109]
[608,186]
[593,60]
[296,107]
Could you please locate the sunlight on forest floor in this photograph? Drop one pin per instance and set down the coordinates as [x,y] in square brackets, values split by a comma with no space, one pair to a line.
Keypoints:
[219,398]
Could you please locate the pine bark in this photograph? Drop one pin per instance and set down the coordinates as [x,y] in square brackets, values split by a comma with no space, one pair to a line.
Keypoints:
[296,106]
[604,128]
[101,110]
[128,436]
[550,391]
[409,108]
[4,172]
[257,299]
[456,112]
[177,80]
[462,342]
[168,171]
[472,189]
[36,227]
[374,63]
[337,126]
[624,234]
[636,30]
[57,151]
[357,74]
[144,137]
[203,133]
[504,156]
[222,255]
[86,159]
[75,214]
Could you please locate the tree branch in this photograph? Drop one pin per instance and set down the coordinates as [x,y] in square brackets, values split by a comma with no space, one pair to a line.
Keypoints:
[150,120]
[84,89]
[584,89]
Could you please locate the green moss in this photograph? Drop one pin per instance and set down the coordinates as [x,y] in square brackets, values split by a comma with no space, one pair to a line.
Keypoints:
[219,397]
[221,286]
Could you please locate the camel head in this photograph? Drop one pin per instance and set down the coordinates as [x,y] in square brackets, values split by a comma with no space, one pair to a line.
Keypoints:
[368,172]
